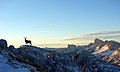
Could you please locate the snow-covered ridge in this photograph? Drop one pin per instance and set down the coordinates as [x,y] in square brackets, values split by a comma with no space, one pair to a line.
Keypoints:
[113,58]
[72,59]
[39,60]
[102,49]
[7,64]
[107,50]
[100,46]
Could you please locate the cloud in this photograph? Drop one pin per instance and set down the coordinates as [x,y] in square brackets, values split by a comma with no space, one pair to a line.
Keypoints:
[84,39]
[77,38]
[91,36]
[105,32]
[113,36]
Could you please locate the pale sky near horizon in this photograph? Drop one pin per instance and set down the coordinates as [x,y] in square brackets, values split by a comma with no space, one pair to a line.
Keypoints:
[56,23]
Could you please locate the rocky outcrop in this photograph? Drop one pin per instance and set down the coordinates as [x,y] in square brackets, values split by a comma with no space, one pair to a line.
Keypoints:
[114,58]
[100,45]
[44,60]
[91,63]
[11,46]
[98,42]
[71,46]
[106,50]
[71,59]
[3,43]
[96,45]
[113,45]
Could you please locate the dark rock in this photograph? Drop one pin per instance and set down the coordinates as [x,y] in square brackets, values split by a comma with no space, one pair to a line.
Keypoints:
[71,46]
[98,42]
[113,45]
[11,46]
[3,43]
[90,63]
[44,60]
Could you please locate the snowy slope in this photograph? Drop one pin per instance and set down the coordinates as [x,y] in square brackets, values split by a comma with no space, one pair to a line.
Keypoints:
[28,58]
[106,50]
[114,58]
[6,66]
[101,50]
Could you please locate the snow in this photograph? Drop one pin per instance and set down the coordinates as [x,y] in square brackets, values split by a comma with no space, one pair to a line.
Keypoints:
[115,53]
[5,67]
[97,48]
[107,53]
[103,49]
[76,69]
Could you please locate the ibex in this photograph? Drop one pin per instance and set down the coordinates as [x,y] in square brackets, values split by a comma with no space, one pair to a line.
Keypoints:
[27,41]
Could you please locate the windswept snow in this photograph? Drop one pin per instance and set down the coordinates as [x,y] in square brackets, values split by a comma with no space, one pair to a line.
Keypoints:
[115,53]
[71,59]
[109,52]
[6,67]
[103,49]
[97,48]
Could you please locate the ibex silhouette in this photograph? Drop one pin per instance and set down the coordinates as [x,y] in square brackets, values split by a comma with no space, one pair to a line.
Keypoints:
[27,41]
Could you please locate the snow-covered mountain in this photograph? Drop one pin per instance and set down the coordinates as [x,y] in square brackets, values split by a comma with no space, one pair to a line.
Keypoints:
[100,46]
[113,58]
[8,65]
[34,59]
[100,56]
[107,50]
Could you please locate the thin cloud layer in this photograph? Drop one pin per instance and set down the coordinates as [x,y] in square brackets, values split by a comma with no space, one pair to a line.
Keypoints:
[115,35]
[84,39]
[105,32]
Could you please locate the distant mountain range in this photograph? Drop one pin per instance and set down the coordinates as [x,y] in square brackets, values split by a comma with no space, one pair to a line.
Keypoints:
[99,56]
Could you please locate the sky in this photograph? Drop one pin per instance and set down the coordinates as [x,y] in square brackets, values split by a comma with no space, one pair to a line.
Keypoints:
[56,23]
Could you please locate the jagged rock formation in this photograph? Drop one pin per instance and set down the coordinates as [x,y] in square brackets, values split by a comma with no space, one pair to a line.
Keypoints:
[42,60]
[113,45]
[103,45]
[97,43]
[71,46]
[107,50]
[90,63]
[104,52]
[11,46]
[113,58]
[100,56]
[9,64]
[3,43]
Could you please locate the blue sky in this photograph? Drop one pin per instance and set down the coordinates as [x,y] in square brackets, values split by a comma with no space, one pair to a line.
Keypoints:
[49,22]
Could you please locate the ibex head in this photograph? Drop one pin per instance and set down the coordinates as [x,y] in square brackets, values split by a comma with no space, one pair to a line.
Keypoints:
[25,37]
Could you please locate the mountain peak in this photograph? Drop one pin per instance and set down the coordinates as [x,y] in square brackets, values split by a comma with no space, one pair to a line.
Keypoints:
[98,42]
